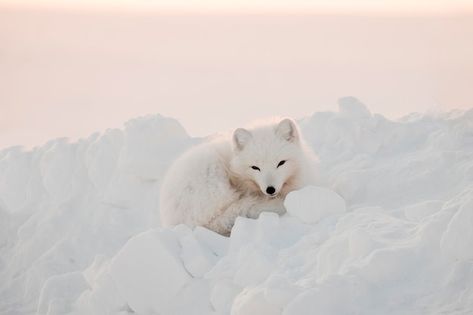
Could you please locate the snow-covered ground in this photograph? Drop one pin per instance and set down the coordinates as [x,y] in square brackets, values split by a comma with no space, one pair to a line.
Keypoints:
[78,224]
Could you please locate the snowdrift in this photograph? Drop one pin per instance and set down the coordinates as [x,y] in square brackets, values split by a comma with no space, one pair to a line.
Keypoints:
[390,231]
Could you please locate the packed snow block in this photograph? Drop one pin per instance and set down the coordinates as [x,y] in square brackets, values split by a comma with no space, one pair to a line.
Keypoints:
[254,264]
[365,236]
[103,298]
[279,291]
[246,231]
[196,257]
[312,204]
[192,299]
[57,167]
[93,272]
[15,175]
[148,147]
[217,243]
[143,153]
[59,292]
[333,254]
[148,271]
[101,158]
[50,259]
[419,211]
[222,295]
[353,108]
[268,222]
[243,232]
[5,233]
[338,296]
[252,301]
[457,240]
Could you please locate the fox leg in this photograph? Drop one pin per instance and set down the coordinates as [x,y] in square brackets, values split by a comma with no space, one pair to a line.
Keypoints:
[247,206]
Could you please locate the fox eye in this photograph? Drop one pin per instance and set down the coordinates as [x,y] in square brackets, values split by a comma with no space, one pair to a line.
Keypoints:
[281,163]
[256,168]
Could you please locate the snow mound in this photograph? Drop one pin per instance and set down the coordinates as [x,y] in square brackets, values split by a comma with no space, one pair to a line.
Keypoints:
[389,231]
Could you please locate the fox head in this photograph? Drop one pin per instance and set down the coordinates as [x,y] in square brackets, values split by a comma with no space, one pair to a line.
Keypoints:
[268,158]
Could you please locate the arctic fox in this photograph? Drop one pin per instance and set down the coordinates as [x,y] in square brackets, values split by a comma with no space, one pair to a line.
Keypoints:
[252,172]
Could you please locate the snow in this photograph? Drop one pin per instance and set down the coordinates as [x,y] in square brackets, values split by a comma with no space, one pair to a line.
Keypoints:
[311,204]
[388,231]
[139,282]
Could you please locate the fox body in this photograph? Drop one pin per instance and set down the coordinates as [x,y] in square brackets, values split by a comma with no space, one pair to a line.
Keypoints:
[243,175]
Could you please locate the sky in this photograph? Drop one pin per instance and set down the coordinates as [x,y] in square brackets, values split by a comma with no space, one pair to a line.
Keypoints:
[333,6]
[70,68]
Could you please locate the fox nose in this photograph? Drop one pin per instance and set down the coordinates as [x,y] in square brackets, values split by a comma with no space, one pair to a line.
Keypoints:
[270,190]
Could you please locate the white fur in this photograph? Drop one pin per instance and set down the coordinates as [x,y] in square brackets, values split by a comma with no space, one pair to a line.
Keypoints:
[213,183]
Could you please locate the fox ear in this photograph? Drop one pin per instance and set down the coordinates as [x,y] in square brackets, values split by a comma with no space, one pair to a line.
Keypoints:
[240,138]
[287,129]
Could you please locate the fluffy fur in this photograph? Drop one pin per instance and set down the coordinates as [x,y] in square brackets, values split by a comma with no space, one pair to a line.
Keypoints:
[215,182]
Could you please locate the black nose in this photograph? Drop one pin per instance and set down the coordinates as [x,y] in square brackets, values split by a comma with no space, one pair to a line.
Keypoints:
[270,190]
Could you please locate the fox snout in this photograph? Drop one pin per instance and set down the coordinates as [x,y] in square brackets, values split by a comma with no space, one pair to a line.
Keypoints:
[269,186]
[270,190]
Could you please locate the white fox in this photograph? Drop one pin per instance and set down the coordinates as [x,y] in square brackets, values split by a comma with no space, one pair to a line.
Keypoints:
[215,182]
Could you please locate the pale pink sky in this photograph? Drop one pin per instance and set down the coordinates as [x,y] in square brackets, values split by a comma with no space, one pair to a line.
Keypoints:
[332,6]
[70,72]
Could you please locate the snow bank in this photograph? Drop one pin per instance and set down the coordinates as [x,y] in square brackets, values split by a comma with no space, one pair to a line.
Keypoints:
[389,233]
